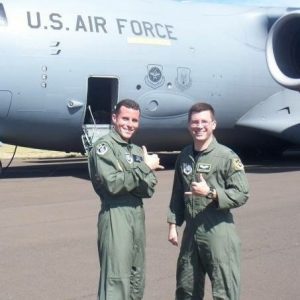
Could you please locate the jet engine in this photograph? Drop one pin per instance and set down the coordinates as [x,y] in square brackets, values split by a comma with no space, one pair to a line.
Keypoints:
[283,50]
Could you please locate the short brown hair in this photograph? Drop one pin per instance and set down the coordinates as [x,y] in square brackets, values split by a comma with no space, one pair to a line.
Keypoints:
[201,106]
[127,103]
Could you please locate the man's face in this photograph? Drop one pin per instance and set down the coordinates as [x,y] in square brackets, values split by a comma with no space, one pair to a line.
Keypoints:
[126,122]
[201,126]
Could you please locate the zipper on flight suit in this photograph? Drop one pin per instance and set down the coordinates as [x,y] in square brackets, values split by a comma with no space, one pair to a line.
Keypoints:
[194,178]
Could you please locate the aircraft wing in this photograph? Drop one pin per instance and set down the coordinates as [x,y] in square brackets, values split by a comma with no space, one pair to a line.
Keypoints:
[278,115]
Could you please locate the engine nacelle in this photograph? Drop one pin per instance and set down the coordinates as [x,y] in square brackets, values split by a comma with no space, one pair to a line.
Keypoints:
[283,50]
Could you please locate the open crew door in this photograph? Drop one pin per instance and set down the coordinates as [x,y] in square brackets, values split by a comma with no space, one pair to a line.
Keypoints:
[102,96]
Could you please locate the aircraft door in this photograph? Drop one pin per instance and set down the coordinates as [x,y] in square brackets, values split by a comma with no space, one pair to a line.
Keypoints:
[101,97]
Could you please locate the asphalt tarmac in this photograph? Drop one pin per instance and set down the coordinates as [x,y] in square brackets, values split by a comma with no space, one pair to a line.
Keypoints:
[48,216]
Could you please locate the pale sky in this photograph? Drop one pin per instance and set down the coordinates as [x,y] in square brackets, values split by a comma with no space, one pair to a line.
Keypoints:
[280,3]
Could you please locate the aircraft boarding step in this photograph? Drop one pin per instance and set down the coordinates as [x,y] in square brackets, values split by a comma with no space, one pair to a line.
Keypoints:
[91,133]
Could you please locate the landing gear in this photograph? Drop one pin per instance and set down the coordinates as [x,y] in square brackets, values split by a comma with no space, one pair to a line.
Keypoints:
[5,168]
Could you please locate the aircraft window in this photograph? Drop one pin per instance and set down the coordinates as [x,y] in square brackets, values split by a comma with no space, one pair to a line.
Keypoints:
[3,19]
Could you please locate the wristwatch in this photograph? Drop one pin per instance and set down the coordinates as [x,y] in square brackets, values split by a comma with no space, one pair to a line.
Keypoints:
[211,193]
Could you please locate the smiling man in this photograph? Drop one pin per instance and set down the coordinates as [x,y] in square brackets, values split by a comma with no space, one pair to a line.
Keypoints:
[122,174]
[209,181]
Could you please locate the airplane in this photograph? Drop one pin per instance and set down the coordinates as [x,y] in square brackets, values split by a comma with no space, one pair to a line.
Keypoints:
[65,64]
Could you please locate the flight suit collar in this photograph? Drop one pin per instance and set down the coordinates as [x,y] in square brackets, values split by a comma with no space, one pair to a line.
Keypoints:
[210,147]
[115,135]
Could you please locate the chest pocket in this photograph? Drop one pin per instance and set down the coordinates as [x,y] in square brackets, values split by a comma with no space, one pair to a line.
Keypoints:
[129,161]
[125,160]
[206,169]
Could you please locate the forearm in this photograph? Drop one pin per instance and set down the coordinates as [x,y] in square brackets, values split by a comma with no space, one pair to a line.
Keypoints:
[146,186]
[173,234]
[231,198]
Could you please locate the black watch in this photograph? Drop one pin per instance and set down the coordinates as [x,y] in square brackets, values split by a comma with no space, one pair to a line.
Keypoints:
[210,194]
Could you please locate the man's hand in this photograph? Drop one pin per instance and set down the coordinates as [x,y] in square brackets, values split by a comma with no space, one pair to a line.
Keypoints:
[173,235]
[151,160]
[199,188]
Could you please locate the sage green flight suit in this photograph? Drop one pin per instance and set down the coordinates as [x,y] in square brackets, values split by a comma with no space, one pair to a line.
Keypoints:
[210,244]
[121,179]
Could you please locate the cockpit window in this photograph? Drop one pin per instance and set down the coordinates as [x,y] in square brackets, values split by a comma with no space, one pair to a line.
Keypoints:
[3,19]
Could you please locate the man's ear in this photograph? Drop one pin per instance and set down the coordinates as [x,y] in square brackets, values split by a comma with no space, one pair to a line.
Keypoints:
[214,124]
[114,118]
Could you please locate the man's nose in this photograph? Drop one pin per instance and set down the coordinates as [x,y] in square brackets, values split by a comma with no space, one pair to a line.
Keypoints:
[130,123]
[200,125]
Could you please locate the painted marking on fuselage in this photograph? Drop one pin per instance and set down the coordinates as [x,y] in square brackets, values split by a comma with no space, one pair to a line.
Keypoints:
[152,32]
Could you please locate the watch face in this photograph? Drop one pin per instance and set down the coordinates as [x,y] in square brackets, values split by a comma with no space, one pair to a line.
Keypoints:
[210,195]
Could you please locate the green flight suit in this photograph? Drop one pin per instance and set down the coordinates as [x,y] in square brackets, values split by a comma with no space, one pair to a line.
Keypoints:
[121,179]
[210,244]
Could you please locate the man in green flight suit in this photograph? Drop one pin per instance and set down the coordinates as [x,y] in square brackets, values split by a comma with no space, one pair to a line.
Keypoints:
[209,181]
[122,174]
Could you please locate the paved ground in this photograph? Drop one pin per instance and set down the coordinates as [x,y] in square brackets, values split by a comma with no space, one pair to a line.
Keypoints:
[48,214]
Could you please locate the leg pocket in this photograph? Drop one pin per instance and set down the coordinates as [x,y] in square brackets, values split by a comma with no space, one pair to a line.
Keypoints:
[118,288]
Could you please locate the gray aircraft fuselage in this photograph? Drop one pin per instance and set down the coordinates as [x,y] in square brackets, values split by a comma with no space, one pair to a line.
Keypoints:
[59,57]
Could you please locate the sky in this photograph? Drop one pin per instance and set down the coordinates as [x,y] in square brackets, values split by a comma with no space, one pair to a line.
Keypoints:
[277,3]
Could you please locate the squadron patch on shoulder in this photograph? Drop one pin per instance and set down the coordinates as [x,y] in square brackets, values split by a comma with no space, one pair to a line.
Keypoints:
[102,149]
[237,165]
[187,169]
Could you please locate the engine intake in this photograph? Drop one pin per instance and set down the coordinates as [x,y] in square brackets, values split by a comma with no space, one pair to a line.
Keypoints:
[283,50]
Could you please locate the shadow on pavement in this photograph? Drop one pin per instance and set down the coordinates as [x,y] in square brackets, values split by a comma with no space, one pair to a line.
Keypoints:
[77,167]
[288,162]
[31,168]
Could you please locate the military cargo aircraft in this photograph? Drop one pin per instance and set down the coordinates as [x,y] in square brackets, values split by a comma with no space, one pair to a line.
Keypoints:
[65,64]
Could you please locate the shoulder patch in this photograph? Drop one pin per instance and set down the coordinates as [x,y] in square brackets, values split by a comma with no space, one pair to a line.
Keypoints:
[237,165]
[101,149]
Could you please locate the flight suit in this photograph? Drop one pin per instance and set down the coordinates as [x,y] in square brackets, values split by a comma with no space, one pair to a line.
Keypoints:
[210,244]
[121,179]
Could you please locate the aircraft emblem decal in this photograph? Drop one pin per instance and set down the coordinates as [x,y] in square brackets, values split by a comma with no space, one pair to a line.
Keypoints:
[183,80]
[155,76]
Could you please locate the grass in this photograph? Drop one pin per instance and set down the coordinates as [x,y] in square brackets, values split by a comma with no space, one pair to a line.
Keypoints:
[6,152]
